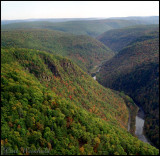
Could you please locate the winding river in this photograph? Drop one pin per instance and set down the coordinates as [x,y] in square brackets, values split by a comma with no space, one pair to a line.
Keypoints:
[139,119]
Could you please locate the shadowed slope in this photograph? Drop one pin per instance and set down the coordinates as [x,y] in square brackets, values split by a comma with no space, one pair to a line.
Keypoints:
[135,70]
[120,38]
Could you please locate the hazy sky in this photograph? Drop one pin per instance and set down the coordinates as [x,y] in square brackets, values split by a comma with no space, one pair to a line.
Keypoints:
[77,9]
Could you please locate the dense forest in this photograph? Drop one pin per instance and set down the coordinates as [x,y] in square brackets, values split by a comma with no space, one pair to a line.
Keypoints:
[118,39]
[85,51]
[135,70]
[50,104]
[47,99]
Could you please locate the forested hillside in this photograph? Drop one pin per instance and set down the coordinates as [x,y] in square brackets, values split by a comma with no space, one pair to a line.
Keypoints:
[135,70]
[85,51]
[49,104]
[120,38]
[86,27]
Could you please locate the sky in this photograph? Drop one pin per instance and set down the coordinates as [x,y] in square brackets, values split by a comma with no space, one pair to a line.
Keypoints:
[11,10]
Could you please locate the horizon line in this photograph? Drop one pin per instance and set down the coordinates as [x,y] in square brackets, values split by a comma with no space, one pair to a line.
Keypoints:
[75,17]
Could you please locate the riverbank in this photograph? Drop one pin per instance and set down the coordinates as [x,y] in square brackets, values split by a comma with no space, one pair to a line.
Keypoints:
[132,110]
[136,117]
[97,68]
[139,132]
[132,107]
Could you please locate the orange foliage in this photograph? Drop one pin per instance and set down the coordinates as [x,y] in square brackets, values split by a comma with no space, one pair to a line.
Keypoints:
[2,142]
[18,127]
[81,149]
[6,140]
[10,124]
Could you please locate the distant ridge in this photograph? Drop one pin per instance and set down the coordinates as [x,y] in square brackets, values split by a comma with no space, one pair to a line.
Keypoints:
[3,22]
[149,19]
[90,27]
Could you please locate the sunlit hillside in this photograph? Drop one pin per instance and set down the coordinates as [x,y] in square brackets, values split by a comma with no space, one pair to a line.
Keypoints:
[86,51]
[50,104]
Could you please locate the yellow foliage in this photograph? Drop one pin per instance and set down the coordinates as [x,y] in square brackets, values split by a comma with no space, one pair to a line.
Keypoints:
[82,149]
[72,111]
[97,140]
[33,119]
[2,142]
[49,145]
[6,140]
[22,149]
[14,108]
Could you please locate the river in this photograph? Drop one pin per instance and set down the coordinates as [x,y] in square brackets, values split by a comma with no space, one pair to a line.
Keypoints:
[129,122]
[94,75]
[139,126]
[139,119]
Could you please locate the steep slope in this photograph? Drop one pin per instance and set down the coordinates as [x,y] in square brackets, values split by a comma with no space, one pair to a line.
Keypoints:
[50,105]
[119,38]
[83,50]
[86,27]
[135,70]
